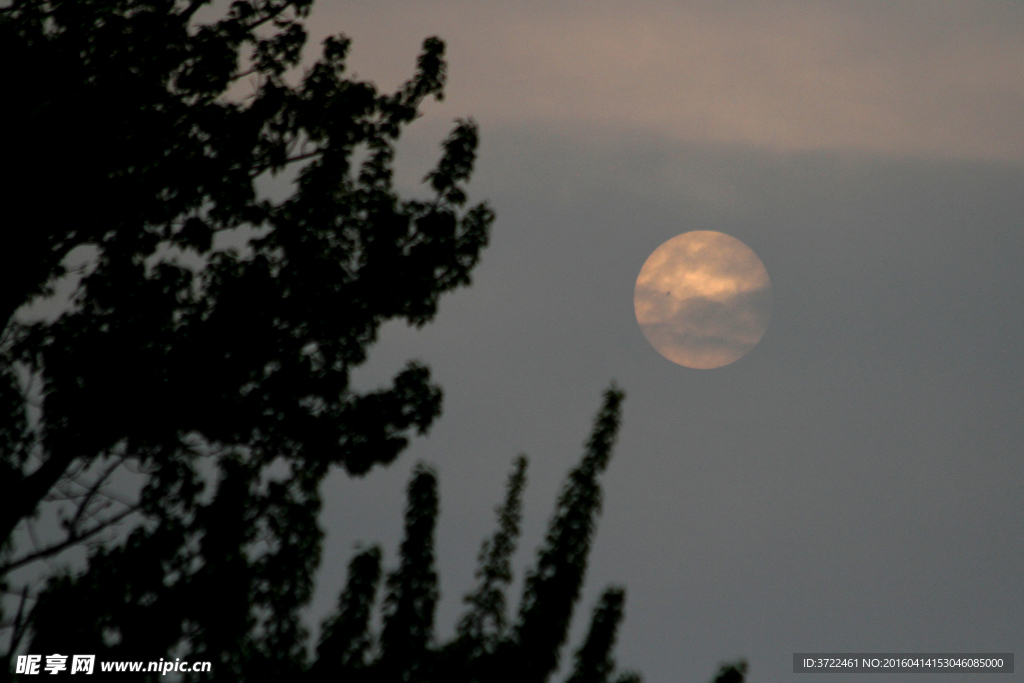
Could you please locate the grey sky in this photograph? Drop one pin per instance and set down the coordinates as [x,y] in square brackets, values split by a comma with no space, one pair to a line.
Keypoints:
[854,482]
[936,78]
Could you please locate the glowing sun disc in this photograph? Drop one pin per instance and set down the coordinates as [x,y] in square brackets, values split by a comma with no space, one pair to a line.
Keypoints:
[703,299]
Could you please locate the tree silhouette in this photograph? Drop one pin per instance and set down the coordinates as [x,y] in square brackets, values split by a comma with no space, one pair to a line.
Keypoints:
[208,344]
[210,338]
[484,647]
[732,673]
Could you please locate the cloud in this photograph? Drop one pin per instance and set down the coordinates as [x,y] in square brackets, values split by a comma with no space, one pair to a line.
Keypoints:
[703,299]
[935,79]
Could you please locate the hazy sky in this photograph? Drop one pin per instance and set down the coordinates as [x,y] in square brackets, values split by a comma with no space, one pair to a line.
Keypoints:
[854,483]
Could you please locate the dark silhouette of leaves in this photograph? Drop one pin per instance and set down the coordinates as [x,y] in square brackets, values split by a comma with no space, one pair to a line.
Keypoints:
[412,588]
[485,623]
[553,588]
[208,347]
[346,639]
[594,662]
[732,673]
[212,333]
[484,650]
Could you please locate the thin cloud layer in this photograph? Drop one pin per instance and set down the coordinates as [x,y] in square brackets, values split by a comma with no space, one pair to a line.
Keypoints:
[703,299]
[931,79]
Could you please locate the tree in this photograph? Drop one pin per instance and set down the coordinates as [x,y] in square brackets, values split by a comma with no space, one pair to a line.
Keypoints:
[732,673]
[220,372]
[485,648]
[208,346]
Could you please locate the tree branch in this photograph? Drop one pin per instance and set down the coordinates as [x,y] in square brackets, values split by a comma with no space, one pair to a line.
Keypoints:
[91,493]
[68,542]
[19,621]
[20,503]
[269,17]
[263,167]
[243,74]
[192,8]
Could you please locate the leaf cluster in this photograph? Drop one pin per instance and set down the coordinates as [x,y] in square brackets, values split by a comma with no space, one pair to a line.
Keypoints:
[210,338]
[208,346]
[486,647]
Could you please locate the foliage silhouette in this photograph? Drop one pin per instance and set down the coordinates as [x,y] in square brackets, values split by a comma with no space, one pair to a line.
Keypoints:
[484,648]
[732,673]
[208,346]
[219,372]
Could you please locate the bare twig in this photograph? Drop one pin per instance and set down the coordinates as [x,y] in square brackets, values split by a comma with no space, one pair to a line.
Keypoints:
[71,540]
[243,74]
[91,493]
[299,157]
[19,621]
